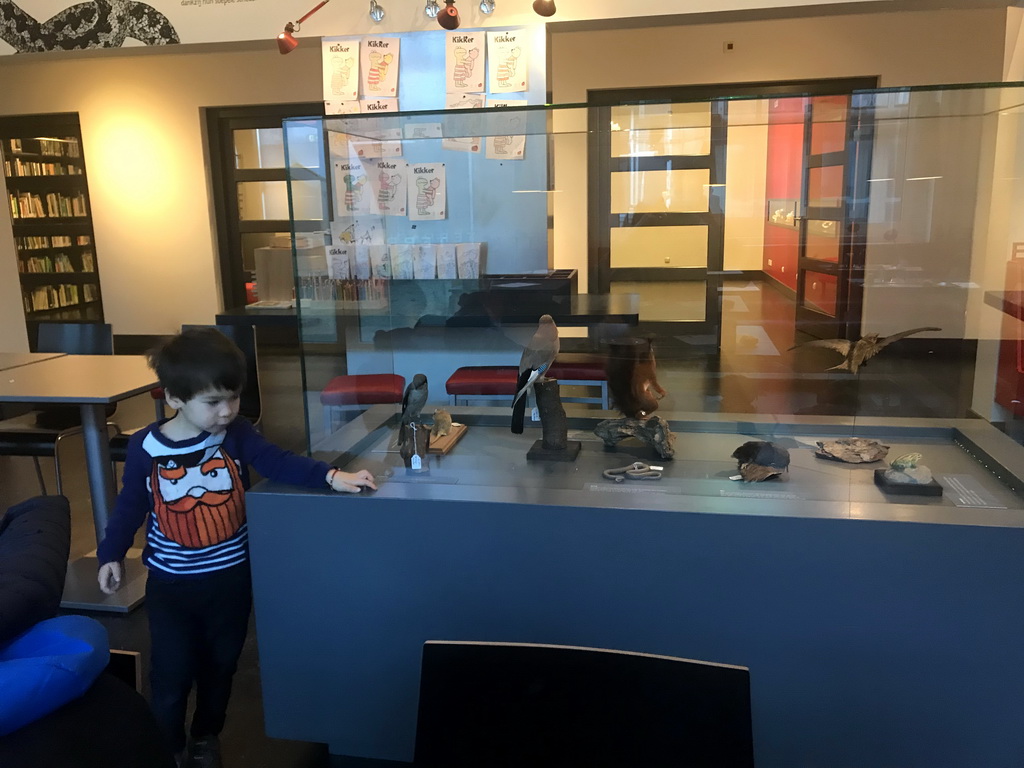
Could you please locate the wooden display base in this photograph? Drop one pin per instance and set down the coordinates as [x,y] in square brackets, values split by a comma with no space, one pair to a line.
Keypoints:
[906,489]
[443,445]
[539,453]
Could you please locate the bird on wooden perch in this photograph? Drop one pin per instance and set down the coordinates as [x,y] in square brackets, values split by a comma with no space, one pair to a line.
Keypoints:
[537,357]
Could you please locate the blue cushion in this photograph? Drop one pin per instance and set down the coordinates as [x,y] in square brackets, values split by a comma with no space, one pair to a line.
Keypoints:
[49,665]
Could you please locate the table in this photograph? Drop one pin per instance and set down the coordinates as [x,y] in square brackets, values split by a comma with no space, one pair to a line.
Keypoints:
[10,360]
[91,382]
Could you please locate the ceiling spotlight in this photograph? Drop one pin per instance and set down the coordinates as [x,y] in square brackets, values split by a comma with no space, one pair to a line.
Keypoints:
[544,7]
[376,12]
[432,9]
[286,43]
[449,15]
[487,6]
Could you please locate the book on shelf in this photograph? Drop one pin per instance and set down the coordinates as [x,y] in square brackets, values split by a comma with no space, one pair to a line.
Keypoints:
[55,297]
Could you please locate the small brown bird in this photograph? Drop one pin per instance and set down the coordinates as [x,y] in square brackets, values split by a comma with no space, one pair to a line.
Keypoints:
[857,353]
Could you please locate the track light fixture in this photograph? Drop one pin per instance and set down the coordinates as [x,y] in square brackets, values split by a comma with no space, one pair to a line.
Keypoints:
[432,9]
[449,15]
[376,11]
[285,41]
[487,6]
[544,7]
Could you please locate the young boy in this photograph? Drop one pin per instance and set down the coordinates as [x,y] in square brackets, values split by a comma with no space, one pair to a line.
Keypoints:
[186,478]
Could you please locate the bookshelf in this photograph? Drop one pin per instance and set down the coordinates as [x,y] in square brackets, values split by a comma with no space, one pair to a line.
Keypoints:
[48,198]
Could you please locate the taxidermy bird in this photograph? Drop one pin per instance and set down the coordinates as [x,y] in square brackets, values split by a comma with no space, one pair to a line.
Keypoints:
[857,353]
[537,358]
[759,460]
[412,403]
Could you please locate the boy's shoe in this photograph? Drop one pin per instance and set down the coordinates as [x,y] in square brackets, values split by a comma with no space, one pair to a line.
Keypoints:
[204,753]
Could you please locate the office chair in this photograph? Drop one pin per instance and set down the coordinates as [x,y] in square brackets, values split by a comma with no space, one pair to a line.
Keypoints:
[39,432]
[521,705]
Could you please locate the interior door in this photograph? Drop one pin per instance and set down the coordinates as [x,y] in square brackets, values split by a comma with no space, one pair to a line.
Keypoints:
[833,225]
[659,218]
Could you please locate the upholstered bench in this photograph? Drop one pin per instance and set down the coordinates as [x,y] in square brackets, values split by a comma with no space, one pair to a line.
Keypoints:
[482,382]
[579,369]
[492,382]
[361,389]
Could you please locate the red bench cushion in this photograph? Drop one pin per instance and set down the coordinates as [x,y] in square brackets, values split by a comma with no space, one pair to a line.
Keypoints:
[483,380]
[578,368]
[364,389]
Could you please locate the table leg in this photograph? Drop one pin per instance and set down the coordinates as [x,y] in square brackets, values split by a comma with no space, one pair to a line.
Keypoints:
[81,590]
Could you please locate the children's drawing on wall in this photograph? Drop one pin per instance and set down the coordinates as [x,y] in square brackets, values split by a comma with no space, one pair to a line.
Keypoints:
[464,62]
[424,261]
[513,145]
[339,260]
[361,269]
[378,66]
[401,260]
[378,138]
[423,131]
[380,261]
[85,25]
[332,107]
[390,180]
[351,191]
[468,259]
[509,61]
[427,191]
[361,230]
[456,129]
[340,62]
[446,261]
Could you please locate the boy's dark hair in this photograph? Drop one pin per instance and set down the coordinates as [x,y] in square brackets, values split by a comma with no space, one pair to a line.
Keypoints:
[198,359]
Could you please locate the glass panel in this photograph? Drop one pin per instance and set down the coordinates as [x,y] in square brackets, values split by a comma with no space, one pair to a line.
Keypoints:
[661,129]
[268,200]
[259,148]
[407,287]
[823,240]
[660,191]
[825,186]
[820,292]
[828,124]
[659,247]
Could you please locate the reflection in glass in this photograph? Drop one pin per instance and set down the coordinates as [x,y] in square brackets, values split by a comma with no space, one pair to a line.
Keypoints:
[268,200]
[660,191]
[820,292]
[666,247]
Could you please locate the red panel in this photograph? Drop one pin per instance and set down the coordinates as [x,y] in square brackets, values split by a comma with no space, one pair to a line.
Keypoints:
[1010,370]
[785,162]
[820,292]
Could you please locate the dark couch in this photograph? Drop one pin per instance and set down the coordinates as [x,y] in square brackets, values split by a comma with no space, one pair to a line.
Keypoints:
[109,725]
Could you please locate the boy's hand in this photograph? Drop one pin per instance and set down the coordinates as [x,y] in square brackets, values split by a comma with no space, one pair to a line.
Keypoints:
[350,482]
[110,578]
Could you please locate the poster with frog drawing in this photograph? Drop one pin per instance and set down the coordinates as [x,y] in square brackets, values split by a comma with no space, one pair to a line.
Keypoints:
[508,57]
[378,67]
[464,62]
[340,63]
[427,192]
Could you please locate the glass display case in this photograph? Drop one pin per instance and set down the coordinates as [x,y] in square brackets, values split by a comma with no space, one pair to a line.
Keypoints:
[751,241]
[807,269]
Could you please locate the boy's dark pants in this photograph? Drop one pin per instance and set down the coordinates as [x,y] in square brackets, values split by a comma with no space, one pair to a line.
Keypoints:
[197,629]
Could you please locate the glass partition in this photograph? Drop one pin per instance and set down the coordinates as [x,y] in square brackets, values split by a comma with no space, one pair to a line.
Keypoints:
[772,252]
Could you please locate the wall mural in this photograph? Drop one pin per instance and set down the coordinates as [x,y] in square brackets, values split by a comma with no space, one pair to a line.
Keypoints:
[96,24]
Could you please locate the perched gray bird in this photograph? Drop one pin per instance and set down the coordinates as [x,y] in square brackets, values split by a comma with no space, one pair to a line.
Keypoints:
[857,353]
[537,358]
[759,460]
[412,403]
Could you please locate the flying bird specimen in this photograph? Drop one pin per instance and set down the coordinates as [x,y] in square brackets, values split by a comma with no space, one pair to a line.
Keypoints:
[759,460]
[412,403]
[857,353]
[537,358]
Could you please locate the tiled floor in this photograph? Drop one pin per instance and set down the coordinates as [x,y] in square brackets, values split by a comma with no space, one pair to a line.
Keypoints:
[755,373]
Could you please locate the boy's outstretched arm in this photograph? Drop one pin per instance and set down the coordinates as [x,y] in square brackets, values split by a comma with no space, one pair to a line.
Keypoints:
[110,577]
[350,482]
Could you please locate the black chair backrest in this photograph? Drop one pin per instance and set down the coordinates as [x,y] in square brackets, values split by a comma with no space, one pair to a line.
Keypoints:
[76,338]
[519,705]
[244,336]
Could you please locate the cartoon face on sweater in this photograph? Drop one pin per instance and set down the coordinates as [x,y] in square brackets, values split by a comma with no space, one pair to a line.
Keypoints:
[197,497]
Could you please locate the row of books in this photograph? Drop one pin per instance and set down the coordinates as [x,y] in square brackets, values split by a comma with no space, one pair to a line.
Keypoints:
[30,206]
[58,296]
[61,262]
[19,167]
[37,242]
[56,147]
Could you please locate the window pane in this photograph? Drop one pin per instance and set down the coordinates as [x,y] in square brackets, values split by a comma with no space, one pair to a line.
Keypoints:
[268,200]
[683,191]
